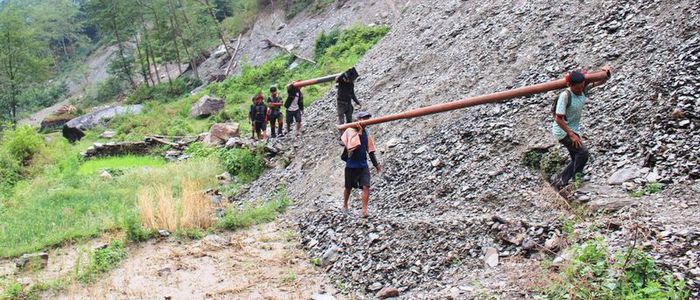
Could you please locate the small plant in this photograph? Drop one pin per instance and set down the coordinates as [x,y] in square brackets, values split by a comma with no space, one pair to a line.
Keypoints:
[316,261]
[252,215]
[246,164]
[135,232]
[629,274]
[198,150]
[552,163]
[290,278]
[102,261]
[533,158]
[578,180]
[649,189]
[13,291]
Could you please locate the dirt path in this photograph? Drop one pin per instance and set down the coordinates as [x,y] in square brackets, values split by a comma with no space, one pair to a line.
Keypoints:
[259,263]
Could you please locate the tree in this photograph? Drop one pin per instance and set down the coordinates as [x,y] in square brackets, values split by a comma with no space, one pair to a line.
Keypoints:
[116,19]
[24,59]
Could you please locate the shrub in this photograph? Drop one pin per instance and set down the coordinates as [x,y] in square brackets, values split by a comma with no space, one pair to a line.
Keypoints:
[160,209]
[102,261]
[9,172]
[198,150]
[629,274]
[22,143]
[246,164]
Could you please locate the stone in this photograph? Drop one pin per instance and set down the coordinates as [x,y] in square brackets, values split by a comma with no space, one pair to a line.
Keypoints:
[207,106]
[624,175]
[220,133]
[106,176]
[234,142]
[491,257]
[330,256]
[224,178]
[163,233]
[393,142]
[322,296]
[73,129]
[609,204]
[375,286]
[34,260]
[387,292]
[108,134]
[55,122]
[421,150]
[552,243]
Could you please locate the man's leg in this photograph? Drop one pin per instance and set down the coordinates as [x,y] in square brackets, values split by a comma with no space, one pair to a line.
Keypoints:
[580,159]
[281,125]
[346,197]
[272,127]
[365,200]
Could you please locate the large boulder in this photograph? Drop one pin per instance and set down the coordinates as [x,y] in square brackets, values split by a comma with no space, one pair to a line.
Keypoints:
[73,130]
[207,106]
[220,133]
[55,122]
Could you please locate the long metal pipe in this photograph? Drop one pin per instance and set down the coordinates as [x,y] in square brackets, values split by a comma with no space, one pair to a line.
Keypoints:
[303,83]
[478,100]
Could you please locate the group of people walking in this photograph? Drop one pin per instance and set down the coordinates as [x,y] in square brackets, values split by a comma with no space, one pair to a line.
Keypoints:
[358,144]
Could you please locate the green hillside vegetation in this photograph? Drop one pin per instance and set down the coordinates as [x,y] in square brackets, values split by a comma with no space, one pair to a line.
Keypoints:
[77,203]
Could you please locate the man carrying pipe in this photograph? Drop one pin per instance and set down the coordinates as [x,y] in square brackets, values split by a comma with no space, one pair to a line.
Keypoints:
[566,127]
[295,107]
[346,94]
[358,143]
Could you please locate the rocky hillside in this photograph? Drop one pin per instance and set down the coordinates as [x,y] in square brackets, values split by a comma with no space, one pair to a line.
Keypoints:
[454,184]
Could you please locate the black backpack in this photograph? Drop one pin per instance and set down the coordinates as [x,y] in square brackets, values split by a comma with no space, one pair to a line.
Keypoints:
[568,103]
[259,112]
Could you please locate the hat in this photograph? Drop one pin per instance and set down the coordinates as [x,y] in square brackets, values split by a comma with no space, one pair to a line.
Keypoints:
[363,115]
[351,74]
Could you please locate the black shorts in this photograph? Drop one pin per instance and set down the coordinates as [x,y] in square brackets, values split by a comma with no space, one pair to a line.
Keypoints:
[293,115]
[356,178]
[259,126]
[275,115]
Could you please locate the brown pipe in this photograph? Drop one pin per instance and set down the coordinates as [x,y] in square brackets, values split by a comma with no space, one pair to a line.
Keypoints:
[303,83]
[478,100]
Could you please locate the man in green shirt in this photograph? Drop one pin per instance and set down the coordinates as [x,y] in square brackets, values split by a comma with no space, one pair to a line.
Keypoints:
[567,126]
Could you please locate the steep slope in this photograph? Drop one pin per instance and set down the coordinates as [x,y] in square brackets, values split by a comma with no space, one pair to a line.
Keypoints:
[447,175]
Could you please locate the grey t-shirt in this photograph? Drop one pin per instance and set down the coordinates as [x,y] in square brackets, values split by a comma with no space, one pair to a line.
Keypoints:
[573,113]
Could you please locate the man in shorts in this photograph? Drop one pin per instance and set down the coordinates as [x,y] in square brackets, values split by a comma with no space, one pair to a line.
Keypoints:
[356,168]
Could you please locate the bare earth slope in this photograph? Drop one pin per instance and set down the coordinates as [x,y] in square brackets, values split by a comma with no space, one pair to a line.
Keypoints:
[447,175]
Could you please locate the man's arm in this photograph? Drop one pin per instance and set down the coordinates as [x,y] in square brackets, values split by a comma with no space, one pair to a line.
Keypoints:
[375,163]
[572,135]
[353,97]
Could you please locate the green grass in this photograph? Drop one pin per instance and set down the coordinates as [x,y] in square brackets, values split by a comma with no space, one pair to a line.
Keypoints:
[649,189]
[593,273]
[73,206]
[253,214]
[93,167]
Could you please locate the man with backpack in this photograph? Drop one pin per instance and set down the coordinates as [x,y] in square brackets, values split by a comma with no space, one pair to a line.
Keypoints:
[274,102]
[358,143]
[566,128]
[258,116]
[295,107]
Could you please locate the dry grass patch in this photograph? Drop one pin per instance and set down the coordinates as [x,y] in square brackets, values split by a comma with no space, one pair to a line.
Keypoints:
[160,209]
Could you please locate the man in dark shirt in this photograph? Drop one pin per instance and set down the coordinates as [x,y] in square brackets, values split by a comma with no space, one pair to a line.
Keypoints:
[258,115]
[295,107]
[346,94]
[274,102]
[356,167]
